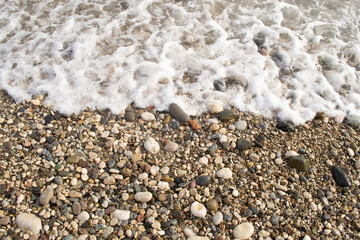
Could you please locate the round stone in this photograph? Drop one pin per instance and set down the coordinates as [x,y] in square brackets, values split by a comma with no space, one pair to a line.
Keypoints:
[203,180]
[177,214]
[83,216]
[151,145]
[163,186]
[143,196]
[171,146]
[215,107]
[240,125]
[29,222]
[224,173]
[122,215]
[76,208]
[147,116]
[212,205]
[109,180]
[130,116]
[244,231]
[198,209]
[217,218]
[203,160]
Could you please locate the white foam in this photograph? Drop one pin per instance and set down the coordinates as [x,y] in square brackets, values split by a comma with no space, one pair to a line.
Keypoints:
[108,54]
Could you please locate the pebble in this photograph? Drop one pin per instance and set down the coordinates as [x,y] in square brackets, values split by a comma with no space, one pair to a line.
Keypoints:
[171,146]
[284,126]
[224,173]
[203,180]
[357,164]
[240,125]
[151,145]
[130,116]
[243,144]
[122,215]
[340,176]
[177,113]
[163,186]
[143,196]
[278,161]
[4,220]
[73,159]
[76,208]
[244,231]
[29,222]
[227,115]
[219,85]
[109,180]
[291,153]
[83,216]
[217,218]
[75,194]
[194,124]
[299,162]
[212,205]
[147,116]
[215,107]
[46,195]
[198,209]
[203,160]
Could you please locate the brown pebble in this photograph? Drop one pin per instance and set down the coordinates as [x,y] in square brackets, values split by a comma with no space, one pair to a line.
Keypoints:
[4,220]
[140,218]
[193,184]
[194,124]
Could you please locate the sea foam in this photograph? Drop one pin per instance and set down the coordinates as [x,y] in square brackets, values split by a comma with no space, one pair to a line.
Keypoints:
[284,59]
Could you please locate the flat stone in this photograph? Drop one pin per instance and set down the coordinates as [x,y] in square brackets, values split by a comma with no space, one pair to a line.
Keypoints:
[74,194]
[4,220]
[217,218]
[143,196]
[2,188]
[130,116]
[83,216]
[194,124]
[299,162]
[227,115]
[29,222]
[122,215]
[340,177]
[177,214]
[46,195]
[76,208]
[151,145]
[147,116]
[243,144]
[240,125]
[203,180]
[284,126]
[73,159]
[224,173]
[171,146]
[177,113]
[244,231]
[215,107]
[220,85]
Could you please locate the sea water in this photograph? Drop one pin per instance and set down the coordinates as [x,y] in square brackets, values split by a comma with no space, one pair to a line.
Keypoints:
[287,59]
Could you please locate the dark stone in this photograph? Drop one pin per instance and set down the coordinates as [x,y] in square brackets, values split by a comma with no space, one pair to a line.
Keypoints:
[247,213]
[203,180]
[2,188]
[243,144]
[177,113]
[179,180]
[219,85]
[130,116]
[7,145]
[259,140]
[165,225]
[254,210]
[177,214]
[284,126]
[50,139]
[48,119]
[340,176]
[299,162]
[274,219]
[227,115]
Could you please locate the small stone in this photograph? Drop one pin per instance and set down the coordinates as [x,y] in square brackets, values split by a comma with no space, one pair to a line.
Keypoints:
[177,113]
[203,180]
[212,205]
[46,195]
[214,127]
[83,216]
[109,180]
[240,125]
[244,231]
[4,220]
[278,161]
[203,160]
[29,222]
[177,214]
[163,186]
[171,147]
[217,218]
[299,162]
[220,85]
[224,173]
[147,116]
[274,219]
[340,176]
[73,159]
[143,196]
[284,126]
[75,194]
[194,124]
[122,215]
[215,107]
[291,153]
[350,152]
[357,164]
[130,116]
[151,145]
[76,208]
[198,210]
[243,144]
[227,115]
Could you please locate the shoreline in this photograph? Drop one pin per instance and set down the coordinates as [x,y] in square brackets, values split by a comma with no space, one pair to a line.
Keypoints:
[80,175]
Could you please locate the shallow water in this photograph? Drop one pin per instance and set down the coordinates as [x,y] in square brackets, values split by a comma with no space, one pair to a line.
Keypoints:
[284,59]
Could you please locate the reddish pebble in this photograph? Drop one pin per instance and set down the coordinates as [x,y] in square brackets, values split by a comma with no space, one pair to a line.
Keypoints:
[194,124]
[193,184]
[140,218]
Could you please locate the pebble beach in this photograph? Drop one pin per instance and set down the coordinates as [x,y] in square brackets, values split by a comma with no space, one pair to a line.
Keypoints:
[145,174]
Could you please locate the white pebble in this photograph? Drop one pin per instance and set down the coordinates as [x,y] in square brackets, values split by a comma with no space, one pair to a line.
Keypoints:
[224,173]
[291,154]
[278,161]
[29,222]
[217,218]
[151,145]
[198,209]
[122,215]
[143,176]
[350,152]
[163,186]
[215,107]
[240,125]
[203,160]
[171,146]
[83,216]
[147,116]
[165,170]
[143,196]
[223,138]
[244,231]
[307,237]
[235,193]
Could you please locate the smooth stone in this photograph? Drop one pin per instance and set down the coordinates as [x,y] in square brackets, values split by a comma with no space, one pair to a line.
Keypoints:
[203,160]
[143,196]
[130,116]
[46,195]
[212,205]
[244,231]
[357,164]
[220,85]
[122,215]
[76,208]
[171,146]
[198,209]
[284,126]
[177,214]
[243,144]
[73,159]
[177,113]
[151,145]
[109,180]
[291,153]
[83,216]
[203,180]
[215,107]
[147,116]
[217,218]
[240,125]
[29,222]
[299,162]
[4,220]
[227,115]
[224,173]
[75,194]
[163,186]
[340,177]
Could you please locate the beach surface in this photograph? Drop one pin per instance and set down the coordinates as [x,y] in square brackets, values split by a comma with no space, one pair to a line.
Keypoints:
[144,174]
